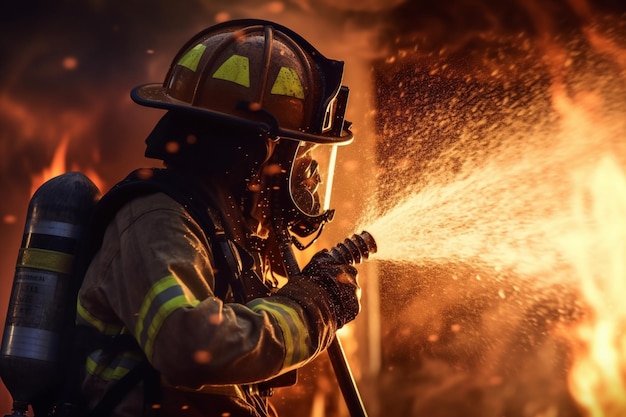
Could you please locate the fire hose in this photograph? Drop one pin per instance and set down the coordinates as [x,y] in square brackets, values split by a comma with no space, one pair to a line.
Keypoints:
[351,251]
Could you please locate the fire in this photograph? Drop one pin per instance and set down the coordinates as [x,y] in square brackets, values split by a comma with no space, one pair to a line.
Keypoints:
[58,166]
[589,219]
[541,218]
[598,376]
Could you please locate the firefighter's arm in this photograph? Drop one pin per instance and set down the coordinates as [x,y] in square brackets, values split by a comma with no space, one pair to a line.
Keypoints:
[330,289]
[162,291]
[311,307]
[234,343]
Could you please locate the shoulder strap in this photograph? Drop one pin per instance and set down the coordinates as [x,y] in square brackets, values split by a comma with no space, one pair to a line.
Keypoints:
[231,259]
[144,182]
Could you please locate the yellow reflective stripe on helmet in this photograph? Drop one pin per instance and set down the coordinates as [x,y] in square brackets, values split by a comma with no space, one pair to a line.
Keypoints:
[192,58]
[235,69]
[294,329]
[163,298]
[288,84]
[48,260]
[85,317]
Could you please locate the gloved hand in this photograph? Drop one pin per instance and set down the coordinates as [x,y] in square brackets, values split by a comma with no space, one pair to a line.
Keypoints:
[339,280]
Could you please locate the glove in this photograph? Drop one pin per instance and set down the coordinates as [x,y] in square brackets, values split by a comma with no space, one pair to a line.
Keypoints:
[339,281]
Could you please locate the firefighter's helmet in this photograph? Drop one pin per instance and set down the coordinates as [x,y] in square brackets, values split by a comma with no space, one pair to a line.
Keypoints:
[255,78]
[258,73]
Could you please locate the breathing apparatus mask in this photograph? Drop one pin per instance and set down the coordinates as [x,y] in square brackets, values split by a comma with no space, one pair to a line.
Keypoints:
[300,186]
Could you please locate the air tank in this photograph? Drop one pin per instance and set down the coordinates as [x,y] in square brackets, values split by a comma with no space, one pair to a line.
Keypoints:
[43,298]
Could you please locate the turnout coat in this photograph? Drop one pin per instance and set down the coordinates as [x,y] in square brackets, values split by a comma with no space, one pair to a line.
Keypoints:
[155,281]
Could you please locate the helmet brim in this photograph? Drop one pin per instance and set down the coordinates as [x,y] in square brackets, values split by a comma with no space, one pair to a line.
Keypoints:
[155,95]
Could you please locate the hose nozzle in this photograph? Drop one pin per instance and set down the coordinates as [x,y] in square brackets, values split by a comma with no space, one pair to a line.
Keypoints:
[354,249]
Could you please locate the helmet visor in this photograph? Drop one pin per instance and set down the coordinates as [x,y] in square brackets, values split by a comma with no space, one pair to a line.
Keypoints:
[311,179]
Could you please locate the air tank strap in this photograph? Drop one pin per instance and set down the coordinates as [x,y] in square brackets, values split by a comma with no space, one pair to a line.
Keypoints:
[230,256]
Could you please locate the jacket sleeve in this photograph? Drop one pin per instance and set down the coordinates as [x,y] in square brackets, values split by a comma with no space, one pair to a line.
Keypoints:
[156,275]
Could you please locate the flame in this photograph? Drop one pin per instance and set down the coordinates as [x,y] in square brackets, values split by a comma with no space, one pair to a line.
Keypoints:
[544,216]
[58,166]
[597,379]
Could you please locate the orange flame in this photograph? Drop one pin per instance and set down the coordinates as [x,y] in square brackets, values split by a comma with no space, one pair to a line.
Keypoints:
[597,379]
[58,166]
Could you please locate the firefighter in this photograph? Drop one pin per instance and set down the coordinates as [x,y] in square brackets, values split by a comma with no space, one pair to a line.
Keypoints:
[186,286]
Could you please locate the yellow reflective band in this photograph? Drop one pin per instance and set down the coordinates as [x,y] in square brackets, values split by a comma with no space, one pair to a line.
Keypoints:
[163,298]
[117,369]
[92,366]
[47,260]
[192,57]
[163,313]
[235,69]
[288,84]
[293,328]
[159,286]
[105,328]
